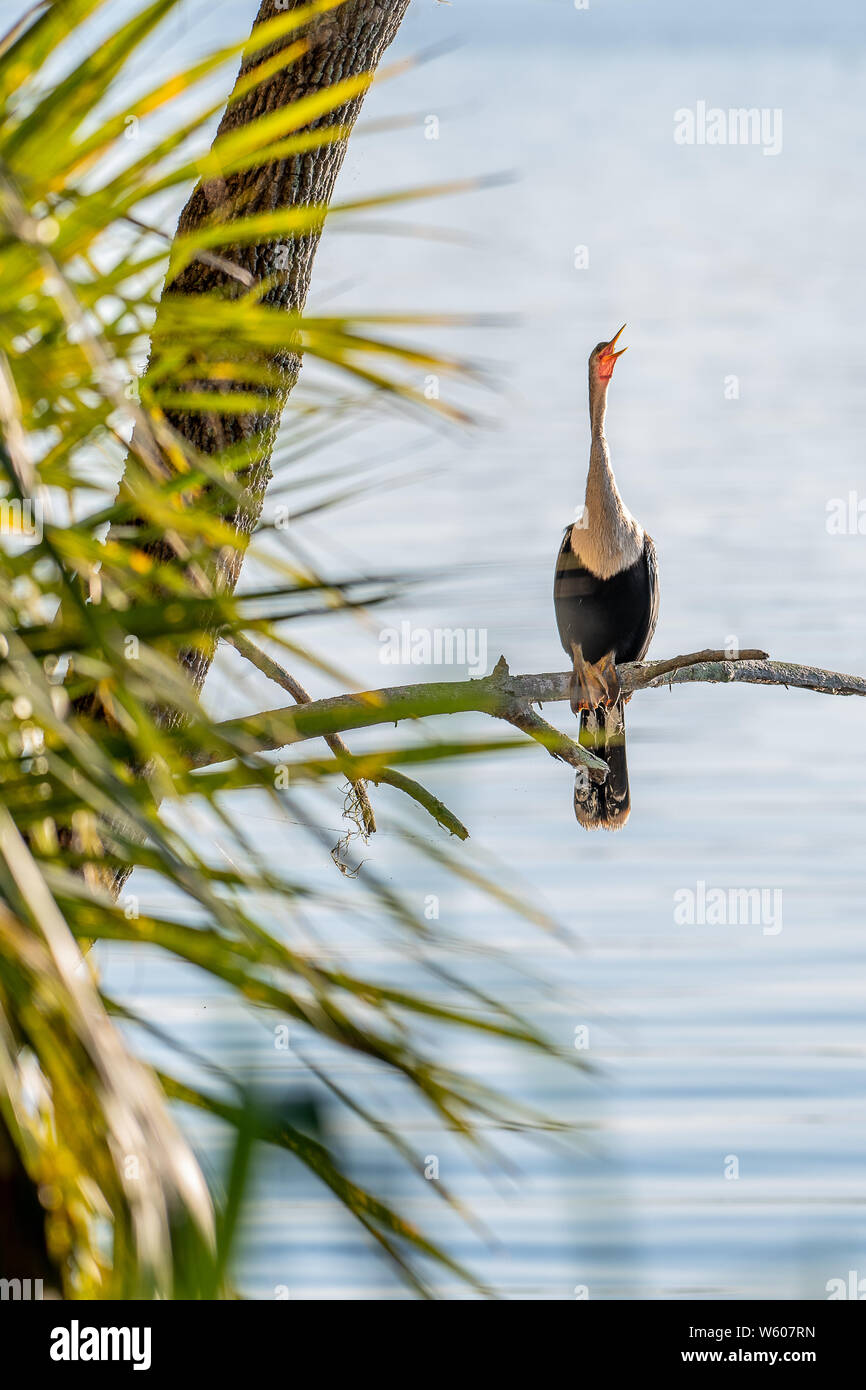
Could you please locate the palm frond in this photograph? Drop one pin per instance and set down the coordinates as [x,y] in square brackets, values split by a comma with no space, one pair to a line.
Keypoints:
[105,603]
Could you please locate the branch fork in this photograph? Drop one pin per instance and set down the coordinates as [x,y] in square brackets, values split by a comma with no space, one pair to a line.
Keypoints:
[511,698]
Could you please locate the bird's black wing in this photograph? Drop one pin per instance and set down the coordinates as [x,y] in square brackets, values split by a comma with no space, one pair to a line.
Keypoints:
[606,615]
[652,569]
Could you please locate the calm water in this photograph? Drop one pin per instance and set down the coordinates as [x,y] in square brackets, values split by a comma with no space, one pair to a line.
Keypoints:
[713,1046]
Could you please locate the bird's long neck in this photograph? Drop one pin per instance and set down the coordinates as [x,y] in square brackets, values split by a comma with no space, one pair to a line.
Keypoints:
[609,539]
[601,488]
[597,404]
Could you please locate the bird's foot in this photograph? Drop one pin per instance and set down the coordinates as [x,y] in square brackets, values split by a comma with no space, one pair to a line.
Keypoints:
[593,685]
[587,690]
[606,669]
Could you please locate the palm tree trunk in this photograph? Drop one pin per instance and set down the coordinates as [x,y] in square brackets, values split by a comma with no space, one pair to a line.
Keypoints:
[343,43]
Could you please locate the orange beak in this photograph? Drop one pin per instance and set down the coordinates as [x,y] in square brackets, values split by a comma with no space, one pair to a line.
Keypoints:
[607,359]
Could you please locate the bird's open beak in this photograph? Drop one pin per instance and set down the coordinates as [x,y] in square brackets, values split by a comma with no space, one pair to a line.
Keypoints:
[607,359]
[612,344]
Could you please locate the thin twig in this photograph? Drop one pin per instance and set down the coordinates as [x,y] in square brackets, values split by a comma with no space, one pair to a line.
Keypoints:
[293,687]
[558,744]
[709,654]
[438,810]
[230,268]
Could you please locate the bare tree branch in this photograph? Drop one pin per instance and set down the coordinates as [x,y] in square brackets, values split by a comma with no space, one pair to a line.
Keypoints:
[512,697]
[437,809]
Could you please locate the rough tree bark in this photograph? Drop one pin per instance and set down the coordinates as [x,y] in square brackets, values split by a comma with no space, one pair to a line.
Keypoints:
[343,43]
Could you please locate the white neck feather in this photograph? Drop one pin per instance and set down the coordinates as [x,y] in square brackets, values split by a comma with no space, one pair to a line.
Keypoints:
[606,539]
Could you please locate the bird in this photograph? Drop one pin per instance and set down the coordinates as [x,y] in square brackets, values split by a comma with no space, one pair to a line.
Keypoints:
[606,599]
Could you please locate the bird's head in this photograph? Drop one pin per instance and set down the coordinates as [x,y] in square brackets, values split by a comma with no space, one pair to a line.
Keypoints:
[602,359]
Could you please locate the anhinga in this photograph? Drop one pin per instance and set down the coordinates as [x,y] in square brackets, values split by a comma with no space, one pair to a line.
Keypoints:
[606,596]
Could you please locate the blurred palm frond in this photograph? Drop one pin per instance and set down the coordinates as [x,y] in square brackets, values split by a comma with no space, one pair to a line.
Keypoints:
[103,586]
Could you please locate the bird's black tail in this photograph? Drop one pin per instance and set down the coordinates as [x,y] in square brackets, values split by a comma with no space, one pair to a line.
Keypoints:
[603,805]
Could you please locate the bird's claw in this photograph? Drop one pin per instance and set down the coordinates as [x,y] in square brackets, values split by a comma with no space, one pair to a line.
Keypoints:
[592,685]
[606,669]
